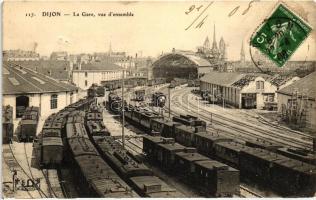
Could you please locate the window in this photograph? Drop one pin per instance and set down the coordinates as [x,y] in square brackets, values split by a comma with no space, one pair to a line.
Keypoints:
[71,97]
[86,74]
[53,101]
[260,85]
[86,83]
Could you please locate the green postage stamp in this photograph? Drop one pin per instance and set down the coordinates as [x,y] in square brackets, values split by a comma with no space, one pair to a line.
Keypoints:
[280,35]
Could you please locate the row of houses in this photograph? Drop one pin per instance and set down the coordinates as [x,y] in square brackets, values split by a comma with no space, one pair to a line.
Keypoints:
[52,84]
[83,75]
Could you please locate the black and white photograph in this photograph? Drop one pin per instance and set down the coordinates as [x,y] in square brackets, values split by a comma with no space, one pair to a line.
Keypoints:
[158,99]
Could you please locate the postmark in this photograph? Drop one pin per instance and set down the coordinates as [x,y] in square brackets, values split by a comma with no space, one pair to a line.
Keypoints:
[280,35]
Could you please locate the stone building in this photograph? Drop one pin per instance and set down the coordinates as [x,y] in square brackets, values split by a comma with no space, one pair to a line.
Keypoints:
[95,73]
[296,102]
[23,87]
[244,90]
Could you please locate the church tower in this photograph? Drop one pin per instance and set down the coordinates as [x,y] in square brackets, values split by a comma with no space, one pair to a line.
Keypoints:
[206,44]
[222,49]
[242,53]
[214,44]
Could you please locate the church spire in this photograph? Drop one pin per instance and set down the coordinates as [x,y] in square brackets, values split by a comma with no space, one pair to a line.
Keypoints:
[214,45]
[206,44]
[242,53]
[222,49]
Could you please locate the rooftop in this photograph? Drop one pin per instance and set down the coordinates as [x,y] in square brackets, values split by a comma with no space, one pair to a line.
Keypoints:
[100,66]
[305,85]
[18,80]
[222,78]
[57,69]
[279,80]
[193,57]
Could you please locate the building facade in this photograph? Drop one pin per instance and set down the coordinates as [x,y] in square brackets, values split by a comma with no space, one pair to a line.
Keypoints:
[296,103]
[243,90]
[180,64]
[59,55]
[95,73]
[20,55]
[23,87]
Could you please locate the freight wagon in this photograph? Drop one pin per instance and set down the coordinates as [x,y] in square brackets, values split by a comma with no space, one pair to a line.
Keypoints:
[211,177]
[28,124]
[7,124]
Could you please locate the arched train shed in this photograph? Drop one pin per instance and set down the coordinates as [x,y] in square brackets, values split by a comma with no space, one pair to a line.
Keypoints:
[180,65]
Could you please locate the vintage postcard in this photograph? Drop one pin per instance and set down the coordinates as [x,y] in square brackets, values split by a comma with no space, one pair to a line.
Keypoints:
[160,99]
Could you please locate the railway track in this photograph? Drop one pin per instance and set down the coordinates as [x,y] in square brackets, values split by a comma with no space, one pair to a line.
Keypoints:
[29,167]
[51,191]
[240,129]
[15,165]
[255,130]
[130,146]
[247,193]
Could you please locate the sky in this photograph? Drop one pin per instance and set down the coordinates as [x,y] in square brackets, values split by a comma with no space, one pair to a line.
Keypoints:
[155,27]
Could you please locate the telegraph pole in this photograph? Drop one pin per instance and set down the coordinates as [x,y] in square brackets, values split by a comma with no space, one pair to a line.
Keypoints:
[169,100]
[123,109]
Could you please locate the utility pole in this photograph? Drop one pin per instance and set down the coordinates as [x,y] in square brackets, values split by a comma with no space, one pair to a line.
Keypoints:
[169,100]
[198,107]
[123,109]
[223,100]
[213,96]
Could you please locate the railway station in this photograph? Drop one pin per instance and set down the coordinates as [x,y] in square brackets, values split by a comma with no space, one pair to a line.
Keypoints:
[179,64]
[189,114]
[142,154]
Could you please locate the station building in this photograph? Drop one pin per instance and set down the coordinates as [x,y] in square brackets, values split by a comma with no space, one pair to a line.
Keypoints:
[296,102]
[23,87]
[244,90]
[180,64]
[90,73]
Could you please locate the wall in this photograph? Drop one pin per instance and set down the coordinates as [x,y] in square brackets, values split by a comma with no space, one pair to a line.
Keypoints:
[93,77]
[42,101]
[231,94]
[286,84]
[204,70]
[252,88]
[311,107]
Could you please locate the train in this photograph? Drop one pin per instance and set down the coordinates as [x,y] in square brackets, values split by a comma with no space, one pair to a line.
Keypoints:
[156,81]
[52,138]
[7,124]
[78,127]
[139,95]
[210,177]
[132,82]
[194,83]
[131,169]
[95,176]
[192,132]
[27,127]
[95,91]
[114,103]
